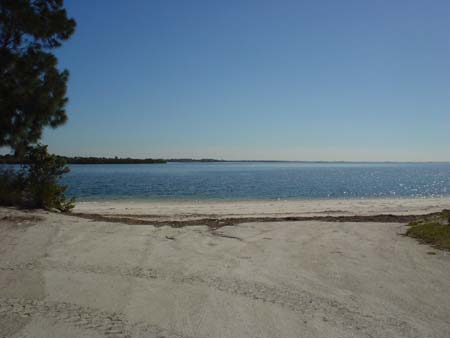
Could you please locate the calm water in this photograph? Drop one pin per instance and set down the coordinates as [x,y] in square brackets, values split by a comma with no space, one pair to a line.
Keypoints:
[257,181]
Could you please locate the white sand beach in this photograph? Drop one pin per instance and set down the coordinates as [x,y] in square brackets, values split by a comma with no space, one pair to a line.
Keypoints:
[66,276]
[267,208]
[224,169]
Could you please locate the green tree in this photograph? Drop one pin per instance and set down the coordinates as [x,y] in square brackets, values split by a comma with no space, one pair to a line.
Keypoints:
[36,184]
[32,88]
[40,178]
[32,96]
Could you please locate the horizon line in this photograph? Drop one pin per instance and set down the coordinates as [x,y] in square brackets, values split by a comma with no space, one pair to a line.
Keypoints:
[207,159]
[212,160]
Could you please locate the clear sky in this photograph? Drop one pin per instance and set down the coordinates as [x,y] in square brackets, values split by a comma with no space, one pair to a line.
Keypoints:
[279,79]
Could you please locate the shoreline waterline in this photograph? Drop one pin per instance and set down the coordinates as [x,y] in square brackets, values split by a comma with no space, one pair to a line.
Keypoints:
[250,208]
[183,199]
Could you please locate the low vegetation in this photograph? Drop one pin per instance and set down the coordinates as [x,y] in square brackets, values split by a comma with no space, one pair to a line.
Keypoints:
[36,184]
[114,160]
[10,159]
[432,229]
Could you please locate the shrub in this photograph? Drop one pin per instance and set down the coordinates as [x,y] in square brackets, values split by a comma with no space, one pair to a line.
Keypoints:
[36,184]
[11,187]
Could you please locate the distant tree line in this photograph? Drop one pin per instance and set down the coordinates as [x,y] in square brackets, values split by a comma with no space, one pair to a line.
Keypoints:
[109,160]
[194,160]
[11,159]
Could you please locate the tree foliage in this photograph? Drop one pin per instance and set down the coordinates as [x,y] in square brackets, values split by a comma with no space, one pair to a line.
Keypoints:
[36,185]
[32,88]
[41,180]
[32,96]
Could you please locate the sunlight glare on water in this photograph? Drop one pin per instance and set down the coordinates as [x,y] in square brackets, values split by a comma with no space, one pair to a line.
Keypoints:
[234,180]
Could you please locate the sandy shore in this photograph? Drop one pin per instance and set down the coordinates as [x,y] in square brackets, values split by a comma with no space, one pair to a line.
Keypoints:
[272,208]
[65,276]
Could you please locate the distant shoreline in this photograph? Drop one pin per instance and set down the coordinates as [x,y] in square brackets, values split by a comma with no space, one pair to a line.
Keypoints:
[10,159]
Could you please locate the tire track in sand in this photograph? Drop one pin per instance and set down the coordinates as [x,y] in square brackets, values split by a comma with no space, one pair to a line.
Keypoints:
[300,301]
[109,324]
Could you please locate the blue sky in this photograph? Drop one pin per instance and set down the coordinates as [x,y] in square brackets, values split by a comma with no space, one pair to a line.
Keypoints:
[292,80]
